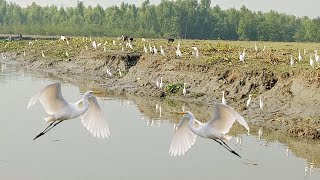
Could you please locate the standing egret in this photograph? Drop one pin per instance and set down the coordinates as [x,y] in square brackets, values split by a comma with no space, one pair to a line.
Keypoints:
[261,103]
[184,91]
[42,54]
[178,52]
[291,60]
[195,52]
[120,73]
[109,73]
[150,49]
[216,129]
[256,47]
[67,54]
[260,133]
[94,45]
[158,83]
[60,110]
[311,62]
[223,100]
[155,50]
[161,84]
[241,57]
[264,48]
[162,51]
[24,53]
[249,100]
[113,42]
[145,49]
[300,58]
[316,56]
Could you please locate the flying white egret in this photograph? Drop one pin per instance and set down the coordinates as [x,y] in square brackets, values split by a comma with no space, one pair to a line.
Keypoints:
[162,51]
[249,100]
[291,60]
[184,91]
[261,103]
[60,110]
[300,58]
[216,129]
[223,100]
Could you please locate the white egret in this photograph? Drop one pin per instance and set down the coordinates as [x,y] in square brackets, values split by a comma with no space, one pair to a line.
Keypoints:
[63,38]
[195,52]
[260,133]
[94,45]
[158,83]
[316,56]
[120,73]
[162,51]
[161,84]
[184,91]
[291,60]
[216,129]
[145,49]
[67,54]
[178,52]
[256,47]
[155,50]
[42,54]
[264,48]
[150,49]
[249,100]
[60,110]
[261,103]
[130,45]
[99,44]
[241,57]
[311,62]
[24,53]
[114,42]
[109,73]
[300,58]
[223,100]
[143,39]
[104,49]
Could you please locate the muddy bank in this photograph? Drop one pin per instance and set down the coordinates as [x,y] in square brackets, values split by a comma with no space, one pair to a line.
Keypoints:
[291,97]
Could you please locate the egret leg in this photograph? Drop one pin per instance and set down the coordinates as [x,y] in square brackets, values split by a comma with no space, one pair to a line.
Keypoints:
[48,128]
[227,147]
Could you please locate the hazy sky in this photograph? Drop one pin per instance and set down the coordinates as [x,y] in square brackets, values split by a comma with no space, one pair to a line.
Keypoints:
[296,7]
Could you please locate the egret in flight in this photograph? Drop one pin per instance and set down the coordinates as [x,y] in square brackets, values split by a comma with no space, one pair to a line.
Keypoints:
[216,129]
[60,110]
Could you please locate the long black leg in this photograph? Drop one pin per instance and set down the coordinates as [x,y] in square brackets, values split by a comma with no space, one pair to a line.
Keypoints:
[227,147]
[48,128]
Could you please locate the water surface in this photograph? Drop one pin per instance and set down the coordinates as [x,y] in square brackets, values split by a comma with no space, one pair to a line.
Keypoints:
[137,149]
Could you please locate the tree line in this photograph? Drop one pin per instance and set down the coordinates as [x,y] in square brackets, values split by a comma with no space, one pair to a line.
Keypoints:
[190,19]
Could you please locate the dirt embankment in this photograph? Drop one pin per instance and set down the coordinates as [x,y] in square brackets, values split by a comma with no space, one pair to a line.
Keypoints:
[291,98]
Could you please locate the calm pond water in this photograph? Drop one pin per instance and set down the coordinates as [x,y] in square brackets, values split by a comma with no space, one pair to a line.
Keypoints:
[137,149]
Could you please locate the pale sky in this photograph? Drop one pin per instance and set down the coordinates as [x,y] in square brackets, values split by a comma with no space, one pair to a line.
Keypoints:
[299,8]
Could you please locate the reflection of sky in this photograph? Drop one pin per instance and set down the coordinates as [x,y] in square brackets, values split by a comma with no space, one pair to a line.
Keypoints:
[298,8]
[133,151]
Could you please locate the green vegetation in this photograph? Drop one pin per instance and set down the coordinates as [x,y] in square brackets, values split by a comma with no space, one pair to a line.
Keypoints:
[190,19]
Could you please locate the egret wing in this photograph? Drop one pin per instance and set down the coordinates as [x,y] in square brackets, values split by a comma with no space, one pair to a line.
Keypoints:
[183,138]
[223,118]
[93,119]
[50,97]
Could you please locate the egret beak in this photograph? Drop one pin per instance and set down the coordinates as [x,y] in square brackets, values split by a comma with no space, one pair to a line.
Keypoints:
[181,113]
